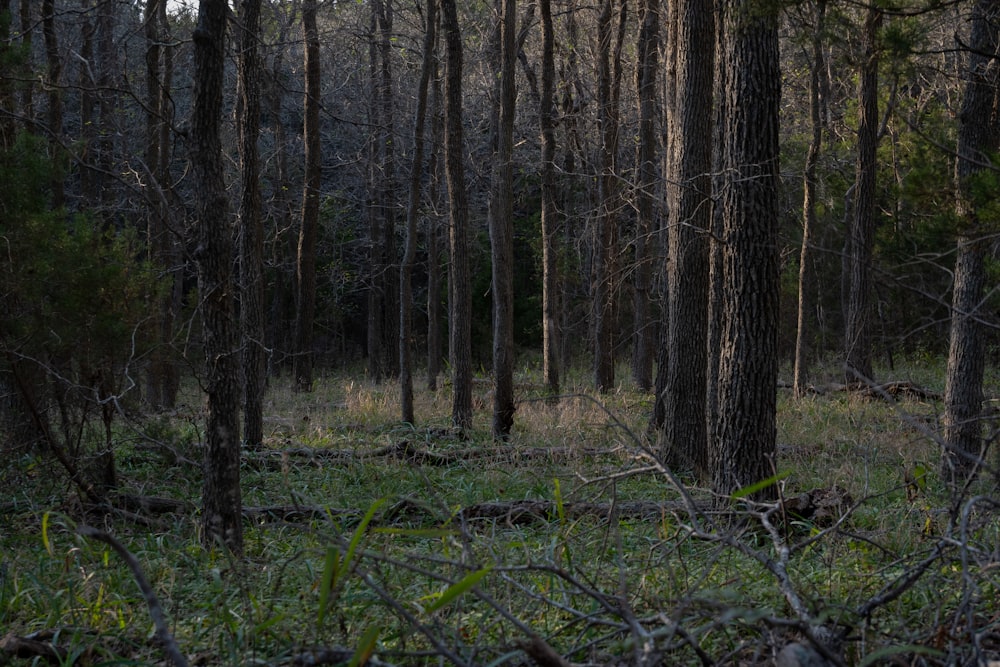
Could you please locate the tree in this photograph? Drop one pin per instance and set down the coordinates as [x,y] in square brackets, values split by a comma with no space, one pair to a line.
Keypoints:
[550,249]
[689,196]
[861,235]
[502,232]
[222,511]
[412,211]
[55,104]
[251,249]
[309,230]
[748,364]
[460,291]
[978,141]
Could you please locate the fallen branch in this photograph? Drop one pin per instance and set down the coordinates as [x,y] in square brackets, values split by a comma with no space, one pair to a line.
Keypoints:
[28,648]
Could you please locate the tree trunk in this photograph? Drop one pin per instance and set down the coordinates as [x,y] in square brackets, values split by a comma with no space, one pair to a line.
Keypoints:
[306,262]
[748,364]
[978,140]
[502,232]
[460,289]
[809,184]
[646,78]
[861,236]
[550,248]
[689,196]
[434,310]
[55,108]
[412,212]
[222,519]
[251,249]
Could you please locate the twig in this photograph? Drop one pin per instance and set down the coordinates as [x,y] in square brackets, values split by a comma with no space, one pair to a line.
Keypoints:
[155,610]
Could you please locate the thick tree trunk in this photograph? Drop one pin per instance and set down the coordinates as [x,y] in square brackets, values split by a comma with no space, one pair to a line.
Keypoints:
[748,364]
[550,248]
[978,140]
[689,196]
[222,519]
[502,232]
[251,227]
[861,236]
[412,212]
[460,288]
[306,262]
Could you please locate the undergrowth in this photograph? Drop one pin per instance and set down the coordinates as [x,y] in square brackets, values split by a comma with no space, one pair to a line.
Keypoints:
[569,543]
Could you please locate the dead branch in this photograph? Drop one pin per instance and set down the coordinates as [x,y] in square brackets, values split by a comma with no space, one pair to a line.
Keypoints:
[28,648]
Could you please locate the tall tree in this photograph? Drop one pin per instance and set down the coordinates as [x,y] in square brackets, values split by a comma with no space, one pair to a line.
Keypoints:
[690,211]
[434,261]
[251,249]
[502,231]
[646,85]
[222,511]
[55,103]
[309,230]
[412,213]
[550,249]
[861,235]
[460,288]
[748,365]
[978,142]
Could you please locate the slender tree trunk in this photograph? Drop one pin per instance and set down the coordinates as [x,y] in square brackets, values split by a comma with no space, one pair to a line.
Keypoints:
[251,227]
[460,290]
[809,183]
[27,87]
[55,105]
[306,278]
[748,365]
[222,515]
[502,232]
[978,141]
[412,212]
[434,310]
[107,74]
[861,236]
[87,84]
[550,236]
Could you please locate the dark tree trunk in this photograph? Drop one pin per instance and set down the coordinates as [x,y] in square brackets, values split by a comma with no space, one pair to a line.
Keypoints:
[748,364]
[460,289]
[251,249]
[55,104]
[306,277]
[222,518]
[861,236]
[502,232]
[434,260]
[978,140]
[412,213]
[550,236]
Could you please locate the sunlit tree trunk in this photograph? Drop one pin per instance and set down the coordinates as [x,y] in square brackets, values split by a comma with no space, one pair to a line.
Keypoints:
[412,213]
[251,249]
[222,512]
[748,363]
[460,288]
[306,258]
[550,248]
[978,141]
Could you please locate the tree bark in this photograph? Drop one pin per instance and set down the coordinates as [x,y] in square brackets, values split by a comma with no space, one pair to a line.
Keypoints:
[55,104]
[460,289]
[861,236]
[434,260]
[748,364]
[502,232]
[978,140]
[309,231]
[550,248]
[251,249]
[222,520]
[412,212]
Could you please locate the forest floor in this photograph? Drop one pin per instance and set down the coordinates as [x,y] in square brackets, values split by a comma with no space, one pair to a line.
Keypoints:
[367,541]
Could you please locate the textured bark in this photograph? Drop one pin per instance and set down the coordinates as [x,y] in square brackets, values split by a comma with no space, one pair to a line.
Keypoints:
[502,232]
[412,211]
[251,250]
[550,248]
[809,184]
[646,155]
[689,203]
[460,289]
[748,364]
[978,138]
[306,258]
[861,236]
[222,520]
[434,260]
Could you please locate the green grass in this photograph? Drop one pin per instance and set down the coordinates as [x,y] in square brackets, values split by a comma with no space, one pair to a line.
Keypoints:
[595,590]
